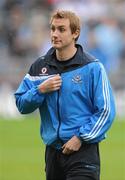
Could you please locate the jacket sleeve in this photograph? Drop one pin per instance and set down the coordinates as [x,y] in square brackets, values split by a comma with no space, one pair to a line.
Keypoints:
[103,112]
[28,98]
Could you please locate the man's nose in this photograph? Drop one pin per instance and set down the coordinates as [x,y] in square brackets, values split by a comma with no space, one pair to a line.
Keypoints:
[55,33]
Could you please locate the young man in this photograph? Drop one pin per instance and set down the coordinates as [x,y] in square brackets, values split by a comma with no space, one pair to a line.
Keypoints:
[74,97]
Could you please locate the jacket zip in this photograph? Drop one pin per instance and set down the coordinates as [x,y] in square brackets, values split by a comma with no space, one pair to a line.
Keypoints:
[59,118]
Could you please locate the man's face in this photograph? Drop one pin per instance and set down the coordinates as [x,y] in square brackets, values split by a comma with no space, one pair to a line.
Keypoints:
[61,35]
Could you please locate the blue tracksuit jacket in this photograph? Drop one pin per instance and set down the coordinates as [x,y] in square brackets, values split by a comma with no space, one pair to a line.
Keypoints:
[84,105]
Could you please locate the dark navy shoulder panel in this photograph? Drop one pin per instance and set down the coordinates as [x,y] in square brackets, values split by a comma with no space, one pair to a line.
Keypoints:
[41,68]
[88,57]
[36,67]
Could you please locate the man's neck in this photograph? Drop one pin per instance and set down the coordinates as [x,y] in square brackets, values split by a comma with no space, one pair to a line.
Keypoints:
[66,54]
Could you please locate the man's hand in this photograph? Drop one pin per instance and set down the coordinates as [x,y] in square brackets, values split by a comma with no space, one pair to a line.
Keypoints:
[72,145]
[51,84]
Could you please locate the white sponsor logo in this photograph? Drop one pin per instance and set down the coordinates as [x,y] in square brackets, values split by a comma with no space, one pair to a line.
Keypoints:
[44,70]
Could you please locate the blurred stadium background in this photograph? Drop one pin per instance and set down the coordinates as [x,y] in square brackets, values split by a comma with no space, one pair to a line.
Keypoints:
[24,36]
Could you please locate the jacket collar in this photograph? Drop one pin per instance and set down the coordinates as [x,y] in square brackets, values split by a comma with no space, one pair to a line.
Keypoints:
[77,60]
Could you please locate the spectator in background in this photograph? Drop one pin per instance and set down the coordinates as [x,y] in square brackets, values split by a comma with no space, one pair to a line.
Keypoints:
[96,51]
[9,110]
[123,45]
[75,100]
[109,38]
[25,31]
[89,41]
[17,31]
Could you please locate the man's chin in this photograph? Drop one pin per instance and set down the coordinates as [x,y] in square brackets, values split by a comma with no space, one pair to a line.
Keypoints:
[56,46]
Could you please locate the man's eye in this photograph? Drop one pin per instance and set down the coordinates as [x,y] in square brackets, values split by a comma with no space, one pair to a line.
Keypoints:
[52,29]
[61,29]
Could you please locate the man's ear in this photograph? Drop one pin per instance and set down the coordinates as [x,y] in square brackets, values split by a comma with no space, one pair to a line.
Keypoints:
[76,34]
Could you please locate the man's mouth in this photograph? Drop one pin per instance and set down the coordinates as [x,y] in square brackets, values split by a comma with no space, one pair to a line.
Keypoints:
[55,41]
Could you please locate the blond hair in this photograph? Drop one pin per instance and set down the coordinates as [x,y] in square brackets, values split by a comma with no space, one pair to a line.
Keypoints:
[73,19]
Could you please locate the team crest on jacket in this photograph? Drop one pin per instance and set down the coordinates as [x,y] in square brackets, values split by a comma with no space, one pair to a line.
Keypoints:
[77,79]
